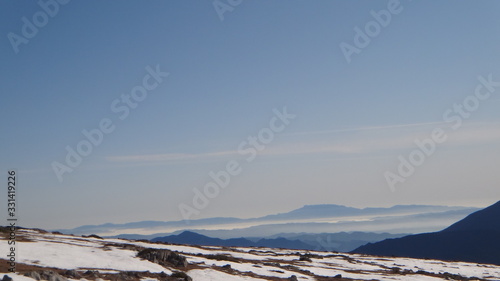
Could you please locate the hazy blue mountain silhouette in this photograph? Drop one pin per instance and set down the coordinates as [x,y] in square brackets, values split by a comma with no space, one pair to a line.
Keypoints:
[304,213]
[487,219]
[476,238]
[332,210]
[192,238]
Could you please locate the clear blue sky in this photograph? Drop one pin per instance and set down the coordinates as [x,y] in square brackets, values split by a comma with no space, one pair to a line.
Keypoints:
[352,121]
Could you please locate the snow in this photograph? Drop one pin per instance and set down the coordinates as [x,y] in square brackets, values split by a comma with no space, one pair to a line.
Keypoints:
[212,275]
[263,270]
[109,256]
[436,266]
[69,256]
[66,252]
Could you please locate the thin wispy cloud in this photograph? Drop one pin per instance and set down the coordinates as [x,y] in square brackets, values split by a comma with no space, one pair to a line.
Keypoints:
[169,156]
[476,135]
[393,138]
[370,128]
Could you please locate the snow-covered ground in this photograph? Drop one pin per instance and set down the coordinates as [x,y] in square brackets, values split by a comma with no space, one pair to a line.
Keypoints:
[38,251]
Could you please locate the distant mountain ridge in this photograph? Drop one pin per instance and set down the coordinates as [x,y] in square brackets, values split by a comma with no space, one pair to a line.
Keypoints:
[339,242]
[192,238]
[475,238]
[331,210]
[312,213]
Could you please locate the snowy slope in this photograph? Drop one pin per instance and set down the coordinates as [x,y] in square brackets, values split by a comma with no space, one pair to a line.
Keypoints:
[38,251]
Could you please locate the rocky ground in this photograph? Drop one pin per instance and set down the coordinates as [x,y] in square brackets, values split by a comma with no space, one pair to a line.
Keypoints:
[43,255]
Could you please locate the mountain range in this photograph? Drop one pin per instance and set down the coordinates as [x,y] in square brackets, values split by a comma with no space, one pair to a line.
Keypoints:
[313,218]
[326,227]
[475,238]
[340,242]
[192,238]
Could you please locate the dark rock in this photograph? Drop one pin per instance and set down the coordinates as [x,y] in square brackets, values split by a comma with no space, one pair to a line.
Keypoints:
[128,275]
[221,257]
[33,274]
[182,276]
[163,257]
[73,274]
[293,278]
[395,270]
[57,277]
[92,273]
[339,276]
[6,278]
[227,266]
[52,276]
[305,258]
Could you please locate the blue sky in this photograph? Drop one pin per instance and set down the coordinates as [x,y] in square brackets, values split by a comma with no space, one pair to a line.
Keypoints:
[352,121]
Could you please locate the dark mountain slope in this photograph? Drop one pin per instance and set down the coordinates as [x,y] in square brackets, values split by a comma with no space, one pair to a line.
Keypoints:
[487,219]
[474,239]
[192,238]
